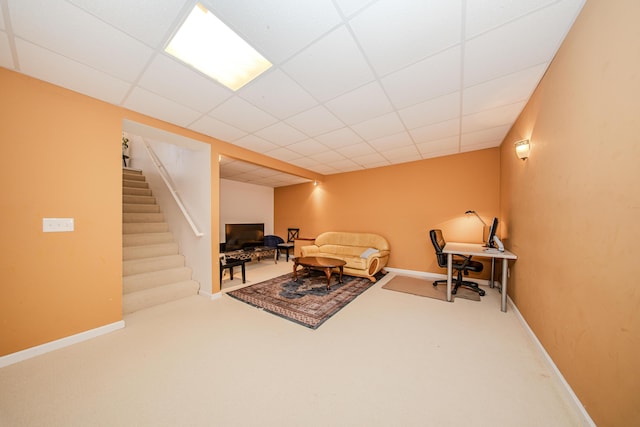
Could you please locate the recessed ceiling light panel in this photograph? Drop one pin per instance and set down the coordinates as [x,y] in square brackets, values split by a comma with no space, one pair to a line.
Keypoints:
[207,44]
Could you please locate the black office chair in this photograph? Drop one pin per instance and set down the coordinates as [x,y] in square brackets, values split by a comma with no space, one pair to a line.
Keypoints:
[463,264]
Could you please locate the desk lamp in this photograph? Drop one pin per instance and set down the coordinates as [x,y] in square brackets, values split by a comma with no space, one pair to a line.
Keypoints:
[480,219]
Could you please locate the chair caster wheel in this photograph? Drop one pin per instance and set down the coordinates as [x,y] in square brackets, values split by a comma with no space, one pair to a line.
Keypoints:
[481,293]
[453,292]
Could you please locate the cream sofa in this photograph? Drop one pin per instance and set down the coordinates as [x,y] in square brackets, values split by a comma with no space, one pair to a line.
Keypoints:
[365,253]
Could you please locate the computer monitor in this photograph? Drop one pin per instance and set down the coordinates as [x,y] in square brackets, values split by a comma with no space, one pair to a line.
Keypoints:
[492,232]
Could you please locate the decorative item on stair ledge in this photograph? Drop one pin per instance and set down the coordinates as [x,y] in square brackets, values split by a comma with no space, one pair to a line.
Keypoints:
[125,150]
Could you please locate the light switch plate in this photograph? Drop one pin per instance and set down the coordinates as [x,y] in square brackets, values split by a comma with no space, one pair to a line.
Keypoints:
[53,225]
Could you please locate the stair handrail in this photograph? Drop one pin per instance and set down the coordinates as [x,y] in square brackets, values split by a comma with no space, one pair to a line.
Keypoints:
[169,183]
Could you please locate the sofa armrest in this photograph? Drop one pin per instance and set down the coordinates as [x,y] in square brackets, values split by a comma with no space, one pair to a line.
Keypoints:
[377,261]
[309,250]
[377,255]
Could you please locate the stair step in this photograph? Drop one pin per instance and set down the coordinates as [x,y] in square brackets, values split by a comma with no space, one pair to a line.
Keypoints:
[133,175]
[144,200]
[136,191]
[144,239]
[152,279]
[134,184]
[148,251]
[148,298]
[142,217]
[134,207]
[146,265]
[144,227]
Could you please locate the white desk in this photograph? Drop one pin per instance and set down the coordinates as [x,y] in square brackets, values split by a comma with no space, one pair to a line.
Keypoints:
[475,249]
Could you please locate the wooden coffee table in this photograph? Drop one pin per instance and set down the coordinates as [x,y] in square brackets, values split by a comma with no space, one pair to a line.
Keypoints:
[319,263]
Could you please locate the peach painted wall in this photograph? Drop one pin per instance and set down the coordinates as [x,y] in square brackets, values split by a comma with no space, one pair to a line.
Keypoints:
[401,202]
[573,211]
[61,157]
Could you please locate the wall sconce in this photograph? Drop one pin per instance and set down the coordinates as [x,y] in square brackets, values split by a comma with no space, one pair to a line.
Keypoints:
[522,149]
[315,183]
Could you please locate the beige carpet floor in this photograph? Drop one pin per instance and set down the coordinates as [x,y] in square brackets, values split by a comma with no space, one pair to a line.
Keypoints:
[386,359]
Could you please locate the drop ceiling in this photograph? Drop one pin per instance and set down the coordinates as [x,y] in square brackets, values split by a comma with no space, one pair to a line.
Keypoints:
[355,84]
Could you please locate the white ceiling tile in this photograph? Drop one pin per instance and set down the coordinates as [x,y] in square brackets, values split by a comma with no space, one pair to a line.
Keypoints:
[217,129]
[149,21]
[485,138]
[373,160]
[277,93]
[379,127]
[351,108]
[517,45]
[255,143]
[325,169]
[148,103]
[6,58]
[306,162]
[427,79]
[322,95]
[349,7]
[419,29]
[283,154]
[277,29]
[339,138]
[315,121]
[328,157]
[308,147]
[386,143]
[266,172]
[346,165]
[510,89]
[236,166]
[281,133]
[491,118]
[71,32]
[48,66]
[359,149]
[436,131]
[433,111]
[485,15]
[402,154]
[330,67]
[439,147]
[241,114]
[172,80]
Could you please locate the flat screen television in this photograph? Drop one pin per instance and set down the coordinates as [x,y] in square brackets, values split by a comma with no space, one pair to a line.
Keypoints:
[243,236]
[492,232]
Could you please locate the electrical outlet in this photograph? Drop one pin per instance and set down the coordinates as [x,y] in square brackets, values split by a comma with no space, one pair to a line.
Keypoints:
[54,225]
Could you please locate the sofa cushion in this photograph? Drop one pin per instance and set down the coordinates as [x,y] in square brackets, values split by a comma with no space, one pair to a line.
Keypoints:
[351,261]
[358,240]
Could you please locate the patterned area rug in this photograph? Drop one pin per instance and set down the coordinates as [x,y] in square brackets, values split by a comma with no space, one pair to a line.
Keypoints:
[306,302]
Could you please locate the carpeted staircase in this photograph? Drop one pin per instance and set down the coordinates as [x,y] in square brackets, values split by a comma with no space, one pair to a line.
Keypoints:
[153,270]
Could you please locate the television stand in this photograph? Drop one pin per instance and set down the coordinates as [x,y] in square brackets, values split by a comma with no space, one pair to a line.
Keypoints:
[255,253]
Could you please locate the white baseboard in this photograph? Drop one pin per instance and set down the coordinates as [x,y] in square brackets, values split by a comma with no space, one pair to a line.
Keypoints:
[586,419]
[215,296]
[28,353]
